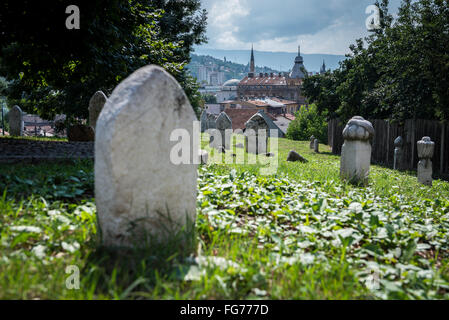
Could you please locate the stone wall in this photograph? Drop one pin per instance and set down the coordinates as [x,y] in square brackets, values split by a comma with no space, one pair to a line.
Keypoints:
[23,150]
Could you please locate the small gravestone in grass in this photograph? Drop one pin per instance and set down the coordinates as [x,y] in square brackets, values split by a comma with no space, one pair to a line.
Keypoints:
[96,104]
[316,146]
[426,148]
[398,153]
[224,124]
[356,150]
[142,193]
[312,141]
[256,134]
[16,121]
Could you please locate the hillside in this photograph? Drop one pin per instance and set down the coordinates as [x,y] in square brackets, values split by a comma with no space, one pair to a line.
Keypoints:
[231,70]
[276,60]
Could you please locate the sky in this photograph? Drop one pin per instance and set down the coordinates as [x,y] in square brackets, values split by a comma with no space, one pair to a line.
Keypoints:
[319,26]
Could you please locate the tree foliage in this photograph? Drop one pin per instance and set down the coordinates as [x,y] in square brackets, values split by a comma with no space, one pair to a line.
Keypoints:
[56,70]
[400,71]
[308,122]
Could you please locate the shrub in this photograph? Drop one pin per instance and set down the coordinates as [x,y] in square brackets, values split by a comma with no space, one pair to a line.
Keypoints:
[307,123]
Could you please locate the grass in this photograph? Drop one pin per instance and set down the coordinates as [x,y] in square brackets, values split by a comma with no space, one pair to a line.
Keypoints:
[300,233]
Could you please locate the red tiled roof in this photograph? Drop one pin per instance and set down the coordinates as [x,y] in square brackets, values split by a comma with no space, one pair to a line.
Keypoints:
[240,116]
[276,80]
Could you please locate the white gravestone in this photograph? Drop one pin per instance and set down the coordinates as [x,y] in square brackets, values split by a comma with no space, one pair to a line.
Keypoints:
[224,123]
[356,151]
[139,190]
[16,121]
[96,104]
[256,135]
[426,148]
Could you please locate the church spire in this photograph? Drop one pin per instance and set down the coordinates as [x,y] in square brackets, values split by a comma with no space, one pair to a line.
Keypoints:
[251,65]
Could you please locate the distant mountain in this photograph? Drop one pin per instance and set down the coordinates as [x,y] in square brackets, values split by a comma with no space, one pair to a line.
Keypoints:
[283,61]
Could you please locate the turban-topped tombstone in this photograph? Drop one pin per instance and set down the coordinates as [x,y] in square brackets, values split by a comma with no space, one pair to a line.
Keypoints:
[96,104]
[142,192]
[16,121]
[256,135]
[398,153]
[356,151]
[224,123]
[426,148]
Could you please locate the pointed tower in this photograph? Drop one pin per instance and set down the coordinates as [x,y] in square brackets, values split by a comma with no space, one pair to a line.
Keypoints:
[251,64]
[298,71]
[323,68]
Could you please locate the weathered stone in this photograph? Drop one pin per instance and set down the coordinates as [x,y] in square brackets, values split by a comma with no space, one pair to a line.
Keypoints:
[426,148]
[203,121]
[140,191]
[96,104]
[294,156]
[312,141]
[356,151]
[203,156]
[256,134]
[16,121]
[316,146]
[224,123]
[398,153]
[80,133]
[211,121]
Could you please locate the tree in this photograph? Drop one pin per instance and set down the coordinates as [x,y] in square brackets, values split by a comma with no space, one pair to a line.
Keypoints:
[399,73]
[308,122]
[209,98]
[56,70]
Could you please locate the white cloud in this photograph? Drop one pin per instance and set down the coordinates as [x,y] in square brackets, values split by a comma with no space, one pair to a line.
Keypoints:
[322,27]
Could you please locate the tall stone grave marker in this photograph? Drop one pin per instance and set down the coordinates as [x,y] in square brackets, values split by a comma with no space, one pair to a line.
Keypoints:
[356,151]
[256,135]
[16,121]
[224,123]
[316,146]
[398,153]
[96,104]
[203,121]
[139,191]
[426,148]
[312,141]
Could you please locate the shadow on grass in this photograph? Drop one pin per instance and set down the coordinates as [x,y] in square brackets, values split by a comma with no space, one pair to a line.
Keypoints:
[148,261]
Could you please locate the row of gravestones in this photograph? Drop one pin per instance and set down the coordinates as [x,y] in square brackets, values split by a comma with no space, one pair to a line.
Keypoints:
[356,153]
[220,130]
[79,132]
[141,194]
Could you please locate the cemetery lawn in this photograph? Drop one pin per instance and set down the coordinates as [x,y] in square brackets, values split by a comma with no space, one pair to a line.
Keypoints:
[298,234]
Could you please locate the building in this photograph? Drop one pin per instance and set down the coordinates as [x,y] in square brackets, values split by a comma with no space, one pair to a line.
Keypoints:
[323,68]
[282,85]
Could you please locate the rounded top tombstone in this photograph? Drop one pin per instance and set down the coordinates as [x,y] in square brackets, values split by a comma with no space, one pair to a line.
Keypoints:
[256,122]
[223,122]
[399,142]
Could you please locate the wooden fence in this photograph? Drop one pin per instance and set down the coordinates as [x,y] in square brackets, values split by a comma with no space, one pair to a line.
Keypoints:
[411,132]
